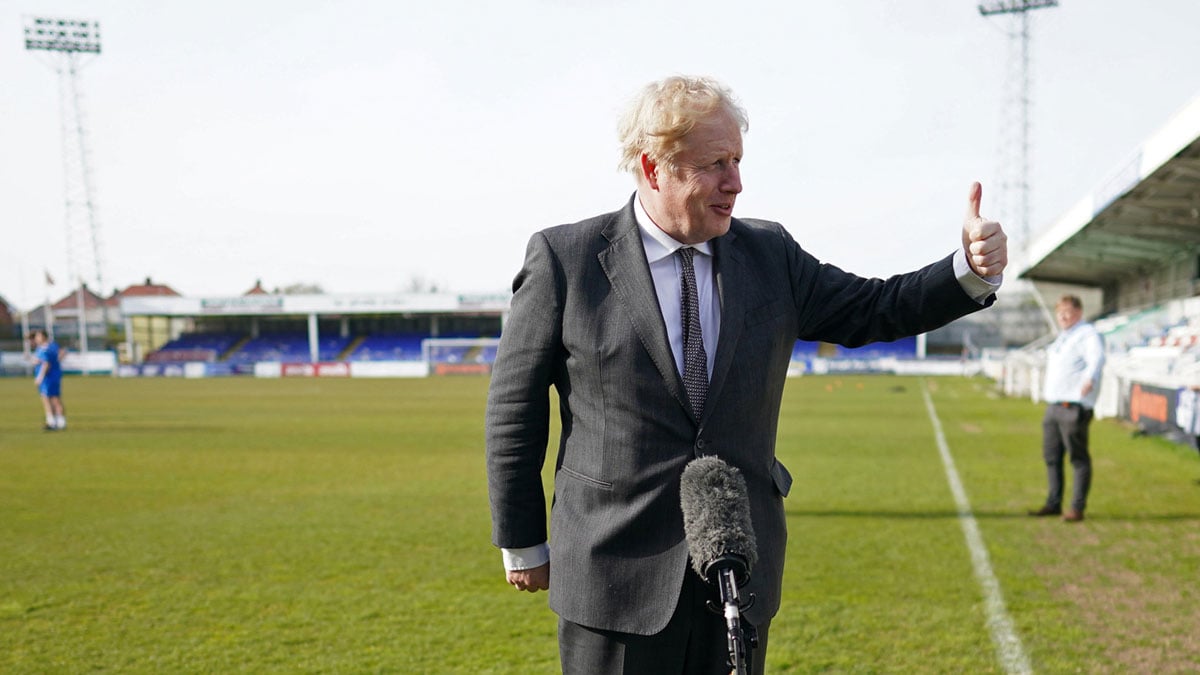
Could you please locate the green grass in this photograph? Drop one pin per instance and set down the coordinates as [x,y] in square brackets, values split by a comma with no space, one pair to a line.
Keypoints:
[342,526]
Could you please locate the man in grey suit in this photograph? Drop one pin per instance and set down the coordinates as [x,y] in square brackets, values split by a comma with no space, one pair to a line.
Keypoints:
[666,328]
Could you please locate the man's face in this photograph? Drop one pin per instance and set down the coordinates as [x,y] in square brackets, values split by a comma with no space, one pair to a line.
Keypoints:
[695,199]
[1067,314]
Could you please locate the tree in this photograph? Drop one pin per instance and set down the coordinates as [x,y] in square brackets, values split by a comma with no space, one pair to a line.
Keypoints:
[419,284]
[301,288]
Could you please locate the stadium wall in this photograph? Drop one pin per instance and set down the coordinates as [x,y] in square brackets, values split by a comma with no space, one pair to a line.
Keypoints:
[73,363]
[153,321]
[275,369]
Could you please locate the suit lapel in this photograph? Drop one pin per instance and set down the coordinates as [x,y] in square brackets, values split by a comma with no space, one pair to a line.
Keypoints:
[624,262]
[730,272]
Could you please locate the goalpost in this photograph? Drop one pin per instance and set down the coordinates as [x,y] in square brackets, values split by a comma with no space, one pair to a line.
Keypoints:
[455,356]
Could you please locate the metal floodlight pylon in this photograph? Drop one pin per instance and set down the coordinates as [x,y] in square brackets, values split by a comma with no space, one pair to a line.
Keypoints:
[1015,144]
[67,43]
[62,35]
[1014,6]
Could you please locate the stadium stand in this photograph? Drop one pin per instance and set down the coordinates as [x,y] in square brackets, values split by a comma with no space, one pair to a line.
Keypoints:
[293,347]
[1160,345]
[805,350]
[903,348]
[189,347]
[487,355]
[331,348]
[241,352]
[287,348]
[402,347]
[1131,248]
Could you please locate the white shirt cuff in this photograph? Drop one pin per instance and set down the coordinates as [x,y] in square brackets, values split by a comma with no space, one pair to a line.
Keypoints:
[979,288]
[525,558]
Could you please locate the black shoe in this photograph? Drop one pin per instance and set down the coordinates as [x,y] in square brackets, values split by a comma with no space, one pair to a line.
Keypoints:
[49,428]
[1046,511]
[1073,516]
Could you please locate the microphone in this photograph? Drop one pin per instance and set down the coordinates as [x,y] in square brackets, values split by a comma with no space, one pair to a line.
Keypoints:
[716,519]
[721,544]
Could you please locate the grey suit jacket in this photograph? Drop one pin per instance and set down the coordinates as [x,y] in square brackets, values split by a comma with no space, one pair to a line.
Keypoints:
[585,319]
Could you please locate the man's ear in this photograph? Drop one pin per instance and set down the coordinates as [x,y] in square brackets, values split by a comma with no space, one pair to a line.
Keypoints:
[650,171]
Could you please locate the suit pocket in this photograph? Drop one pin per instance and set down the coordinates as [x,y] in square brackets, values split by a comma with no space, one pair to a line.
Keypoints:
[781,477]
[595,482]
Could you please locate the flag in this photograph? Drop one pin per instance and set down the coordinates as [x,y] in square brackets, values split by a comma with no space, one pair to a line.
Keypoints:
[49,279]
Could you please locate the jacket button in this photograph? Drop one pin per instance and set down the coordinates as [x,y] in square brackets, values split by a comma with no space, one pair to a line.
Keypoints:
[700,444]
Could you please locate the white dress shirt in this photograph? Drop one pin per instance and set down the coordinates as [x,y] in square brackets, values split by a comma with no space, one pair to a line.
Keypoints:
[665,270]
[1074,358]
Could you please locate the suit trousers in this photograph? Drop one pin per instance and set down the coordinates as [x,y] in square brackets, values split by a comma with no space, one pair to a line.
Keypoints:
[1065,433]
[693,643]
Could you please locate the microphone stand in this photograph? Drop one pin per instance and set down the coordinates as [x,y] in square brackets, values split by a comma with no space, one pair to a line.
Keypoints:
[740,639]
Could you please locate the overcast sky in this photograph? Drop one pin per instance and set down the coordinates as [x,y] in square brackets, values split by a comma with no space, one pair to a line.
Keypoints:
[360,145]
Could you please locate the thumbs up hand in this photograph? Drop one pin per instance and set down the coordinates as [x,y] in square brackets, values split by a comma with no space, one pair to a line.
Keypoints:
[984,241]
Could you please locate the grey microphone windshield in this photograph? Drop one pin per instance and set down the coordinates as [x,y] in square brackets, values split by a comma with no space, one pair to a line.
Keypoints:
[716,518]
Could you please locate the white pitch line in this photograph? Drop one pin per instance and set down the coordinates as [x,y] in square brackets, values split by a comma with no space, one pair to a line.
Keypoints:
[1004,636]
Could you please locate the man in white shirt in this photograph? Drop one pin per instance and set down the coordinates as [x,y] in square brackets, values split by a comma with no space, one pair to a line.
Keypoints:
[1073,365]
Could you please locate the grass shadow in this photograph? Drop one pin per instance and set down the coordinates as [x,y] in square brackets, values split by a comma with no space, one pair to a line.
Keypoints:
[945,514]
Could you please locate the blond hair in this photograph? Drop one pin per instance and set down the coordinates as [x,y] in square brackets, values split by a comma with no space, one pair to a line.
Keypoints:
[664,112]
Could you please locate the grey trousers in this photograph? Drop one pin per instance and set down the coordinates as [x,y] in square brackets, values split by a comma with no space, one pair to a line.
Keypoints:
[693,643]
[1065,433]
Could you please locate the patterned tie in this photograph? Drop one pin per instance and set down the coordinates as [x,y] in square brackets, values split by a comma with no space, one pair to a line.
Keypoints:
[695,360]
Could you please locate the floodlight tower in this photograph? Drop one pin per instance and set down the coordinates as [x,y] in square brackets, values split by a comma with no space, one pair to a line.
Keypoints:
[68,45]
[1014,142]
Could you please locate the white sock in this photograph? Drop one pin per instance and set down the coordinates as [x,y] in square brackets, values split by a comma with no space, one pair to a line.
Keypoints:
[60,422]
[50,421]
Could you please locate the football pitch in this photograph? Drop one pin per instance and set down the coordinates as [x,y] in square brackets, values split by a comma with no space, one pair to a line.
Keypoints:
[324,525]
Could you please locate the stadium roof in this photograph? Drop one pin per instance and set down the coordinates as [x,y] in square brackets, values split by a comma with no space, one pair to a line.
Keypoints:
[148,288]
[1145,213]
[70,301]
[344,304]
[7,311]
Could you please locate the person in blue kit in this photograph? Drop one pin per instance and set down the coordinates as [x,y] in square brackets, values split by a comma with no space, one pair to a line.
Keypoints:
[49,379]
